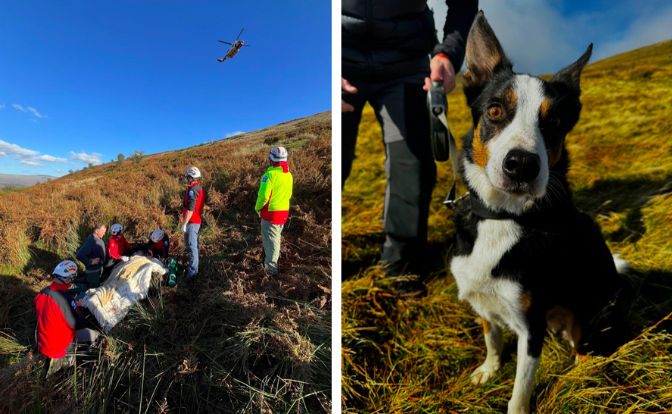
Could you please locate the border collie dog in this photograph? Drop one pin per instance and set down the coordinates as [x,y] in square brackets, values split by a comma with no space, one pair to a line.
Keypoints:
[526,258]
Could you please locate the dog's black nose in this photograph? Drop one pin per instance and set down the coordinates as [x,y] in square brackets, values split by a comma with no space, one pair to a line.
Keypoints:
[522,166]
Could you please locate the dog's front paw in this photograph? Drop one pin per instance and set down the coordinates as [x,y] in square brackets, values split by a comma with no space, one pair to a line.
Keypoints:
[483,373]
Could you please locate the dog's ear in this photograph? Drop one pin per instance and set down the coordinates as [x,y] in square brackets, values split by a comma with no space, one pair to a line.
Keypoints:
[484,53]
[571,75]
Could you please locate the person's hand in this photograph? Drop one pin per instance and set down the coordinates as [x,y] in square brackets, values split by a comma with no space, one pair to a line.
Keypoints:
[345,85]
[441,69]
[95,261]
[184,228]
[80,302]
[124,258]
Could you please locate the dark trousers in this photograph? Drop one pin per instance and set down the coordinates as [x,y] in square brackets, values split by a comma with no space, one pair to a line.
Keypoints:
[401,109]
[91,281]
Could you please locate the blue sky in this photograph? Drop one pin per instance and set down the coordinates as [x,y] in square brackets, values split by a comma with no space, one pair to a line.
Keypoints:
[543,36]
[85,81]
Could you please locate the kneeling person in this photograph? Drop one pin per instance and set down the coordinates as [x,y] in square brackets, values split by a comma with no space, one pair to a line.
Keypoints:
[158,245]
[60,326]
[273,205]
[117,246]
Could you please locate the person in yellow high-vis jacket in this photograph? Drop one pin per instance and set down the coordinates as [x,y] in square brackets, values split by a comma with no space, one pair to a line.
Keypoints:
[273,205]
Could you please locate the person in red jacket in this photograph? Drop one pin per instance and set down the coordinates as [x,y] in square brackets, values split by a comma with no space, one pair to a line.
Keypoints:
[192,212]
[158,245]
[117,246]
[60,326]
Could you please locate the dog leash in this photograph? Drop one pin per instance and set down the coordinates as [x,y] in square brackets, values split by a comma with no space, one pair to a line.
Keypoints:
[443,143]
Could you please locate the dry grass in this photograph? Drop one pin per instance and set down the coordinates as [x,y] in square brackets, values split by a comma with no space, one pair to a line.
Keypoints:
[415,354]
[234,341]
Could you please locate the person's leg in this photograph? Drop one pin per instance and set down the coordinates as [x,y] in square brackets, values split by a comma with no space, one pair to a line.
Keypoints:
[191,244]
[266,240]
[401,109]
[93,278]
[350,126]
[86,336]
[273,238]
[82,284]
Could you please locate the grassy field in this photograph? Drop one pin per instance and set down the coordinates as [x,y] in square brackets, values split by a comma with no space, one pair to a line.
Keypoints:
[233,341]
[415,354]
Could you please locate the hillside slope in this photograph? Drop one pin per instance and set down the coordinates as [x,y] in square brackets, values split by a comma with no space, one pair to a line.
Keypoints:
[233,341]
[416,354]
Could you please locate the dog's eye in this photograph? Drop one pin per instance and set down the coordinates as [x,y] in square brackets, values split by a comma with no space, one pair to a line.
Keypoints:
[554,121]
[495,112]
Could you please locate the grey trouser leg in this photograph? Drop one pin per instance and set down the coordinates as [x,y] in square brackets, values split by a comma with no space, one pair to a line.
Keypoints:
[191,244]
[270,234]
[401,109]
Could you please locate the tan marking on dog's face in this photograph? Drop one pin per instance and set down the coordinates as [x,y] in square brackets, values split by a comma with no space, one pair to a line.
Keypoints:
[545,106]
[510,98]
[486,326]
[481,152]
[554,153]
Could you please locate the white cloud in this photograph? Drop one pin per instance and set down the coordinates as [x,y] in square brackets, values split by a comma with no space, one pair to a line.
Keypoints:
[13,149]
[60,171]
[93,158]
[2,106]
[3,154]
[49,158]
[540,39]
[19,107]
[33,120]
[650,28]
[34,111]
[32,163]
[231,134]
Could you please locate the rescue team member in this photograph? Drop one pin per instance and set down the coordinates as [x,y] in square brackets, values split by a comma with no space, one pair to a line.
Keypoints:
[158,245]
[191,219]
[117,246]
[92,254]
[59,324]
[273,205]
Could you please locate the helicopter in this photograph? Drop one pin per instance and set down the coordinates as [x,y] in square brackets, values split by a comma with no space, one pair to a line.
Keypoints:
[235,47]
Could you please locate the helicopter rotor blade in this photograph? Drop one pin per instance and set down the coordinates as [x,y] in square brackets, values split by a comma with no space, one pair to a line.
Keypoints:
[245,45]
[225,42]
[241,32]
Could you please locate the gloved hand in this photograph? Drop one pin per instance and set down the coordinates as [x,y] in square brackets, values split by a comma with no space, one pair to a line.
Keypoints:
[124,258]
[184,228]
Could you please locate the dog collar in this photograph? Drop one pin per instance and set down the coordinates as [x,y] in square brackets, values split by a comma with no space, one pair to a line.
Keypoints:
[479,209]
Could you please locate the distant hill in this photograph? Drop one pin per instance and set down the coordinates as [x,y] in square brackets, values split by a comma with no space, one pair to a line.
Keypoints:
[23,180]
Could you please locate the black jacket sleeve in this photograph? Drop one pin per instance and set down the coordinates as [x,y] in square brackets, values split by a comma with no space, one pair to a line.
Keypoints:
[193,194]
[461,14]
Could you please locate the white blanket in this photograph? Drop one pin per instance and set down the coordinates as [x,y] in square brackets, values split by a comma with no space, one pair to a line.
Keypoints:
[127,284]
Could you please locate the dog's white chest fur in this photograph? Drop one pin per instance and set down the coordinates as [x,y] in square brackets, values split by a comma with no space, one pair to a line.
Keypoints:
[496,299]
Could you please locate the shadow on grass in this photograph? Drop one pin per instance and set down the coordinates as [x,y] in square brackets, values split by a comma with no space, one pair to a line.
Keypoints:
[432,258]
[622,196]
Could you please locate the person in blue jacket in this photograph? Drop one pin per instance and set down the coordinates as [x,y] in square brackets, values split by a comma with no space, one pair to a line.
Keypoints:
[92,254]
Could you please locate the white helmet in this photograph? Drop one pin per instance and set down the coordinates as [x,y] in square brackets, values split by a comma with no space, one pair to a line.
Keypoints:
[116,228]
[67,268]
[278,154]
[157,236]
[193,172]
